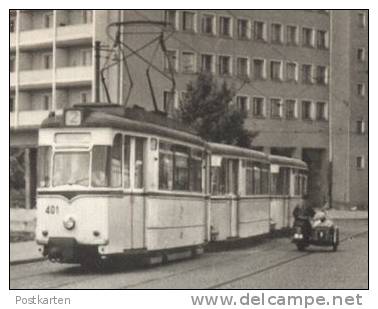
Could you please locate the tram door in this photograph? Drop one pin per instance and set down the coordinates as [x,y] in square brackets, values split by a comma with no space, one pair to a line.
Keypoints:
[233,173]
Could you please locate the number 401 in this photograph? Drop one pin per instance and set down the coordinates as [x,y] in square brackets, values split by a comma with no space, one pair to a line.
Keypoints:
[52,210]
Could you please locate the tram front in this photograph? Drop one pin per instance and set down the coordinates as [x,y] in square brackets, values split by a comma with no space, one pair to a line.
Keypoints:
[74,190]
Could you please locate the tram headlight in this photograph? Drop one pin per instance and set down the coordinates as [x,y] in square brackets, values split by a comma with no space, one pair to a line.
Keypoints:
[69,223]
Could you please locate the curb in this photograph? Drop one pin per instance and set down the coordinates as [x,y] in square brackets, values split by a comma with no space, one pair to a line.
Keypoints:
[26,261]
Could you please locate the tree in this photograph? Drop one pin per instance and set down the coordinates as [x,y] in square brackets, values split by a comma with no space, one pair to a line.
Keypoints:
[207,109]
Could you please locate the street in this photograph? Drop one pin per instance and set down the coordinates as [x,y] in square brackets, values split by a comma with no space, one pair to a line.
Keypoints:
[273,264]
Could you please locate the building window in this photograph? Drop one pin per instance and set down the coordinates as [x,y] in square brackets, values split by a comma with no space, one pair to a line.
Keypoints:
[169,101]
[291,71]
[242,103]
[259,31]
[225,26]
[85,97]
[46,101]
[308,37]
[188,21]
[12,24]
[171,60]
[361,90]
[362,20]
[242,67]
[170,18]
[224,65]
[276,70]
[291,109]
[48,20]
[321,39]
[87,16]
[208,24]
[276,108]
[259,69]
[276,33]
[12,63]
[86,57]
[360,162]
[292,35]
[306,73]
[306,110]
[207,63]
[188,62]
[360,126]
[361,54]
[47,61]
[321,75]
[11,104]
[243,29]
[321,111]
[258,107]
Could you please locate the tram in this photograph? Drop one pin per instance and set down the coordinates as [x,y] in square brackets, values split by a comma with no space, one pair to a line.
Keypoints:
[116,181]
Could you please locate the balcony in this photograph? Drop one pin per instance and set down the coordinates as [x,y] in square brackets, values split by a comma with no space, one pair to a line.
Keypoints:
[37,38]
[12,40]
[12,119]
[12,80]
[81,75]
[35,79]
[74,34]
[31,118]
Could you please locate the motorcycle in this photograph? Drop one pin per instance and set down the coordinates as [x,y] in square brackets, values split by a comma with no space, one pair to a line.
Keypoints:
[305,235]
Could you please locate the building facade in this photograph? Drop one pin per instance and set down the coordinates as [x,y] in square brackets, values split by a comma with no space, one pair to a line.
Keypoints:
[280,60]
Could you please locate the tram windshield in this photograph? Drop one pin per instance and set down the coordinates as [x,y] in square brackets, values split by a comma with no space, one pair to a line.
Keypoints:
[71,168]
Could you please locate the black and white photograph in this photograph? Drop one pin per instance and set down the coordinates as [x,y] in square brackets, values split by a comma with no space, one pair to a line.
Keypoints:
[189,149]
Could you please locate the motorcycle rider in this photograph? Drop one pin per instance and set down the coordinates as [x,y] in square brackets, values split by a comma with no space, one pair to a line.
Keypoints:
[303,215]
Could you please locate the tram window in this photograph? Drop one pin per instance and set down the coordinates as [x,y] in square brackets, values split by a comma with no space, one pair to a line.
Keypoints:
[100,163]
[256,180]
[181,168]
[126,162]
[44,162]
[297,186]
[249,178]
[234,185]
[116,162]
[165,166]
[196,171]
[274,183]
[219,175]
[139,162]
[71,168]
[264,179]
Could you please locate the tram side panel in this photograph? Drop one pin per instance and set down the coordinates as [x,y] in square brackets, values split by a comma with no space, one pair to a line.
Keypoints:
[175,221]
[126,223]
[253,216]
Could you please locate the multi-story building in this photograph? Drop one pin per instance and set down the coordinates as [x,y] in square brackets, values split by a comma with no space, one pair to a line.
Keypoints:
[350,107]
[280,60]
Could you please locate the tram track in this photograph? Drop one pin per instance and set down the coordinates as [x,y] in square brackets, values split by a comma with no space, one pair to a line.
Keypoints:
[270,267]
[269,247]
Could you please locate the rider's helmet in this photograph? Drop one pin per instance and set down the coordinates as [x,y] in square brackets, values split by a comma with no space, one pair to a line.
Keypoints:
[320,216]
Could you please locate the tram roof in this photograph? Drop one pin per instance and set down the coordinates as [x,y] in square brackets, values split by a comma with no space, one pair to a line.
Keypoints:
[230,150]
[134,119]
[286,161]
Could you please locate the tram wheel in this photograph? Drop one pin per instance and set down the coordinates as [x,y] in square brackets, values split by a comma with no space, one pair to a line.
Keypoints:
[93,264]
[301,247]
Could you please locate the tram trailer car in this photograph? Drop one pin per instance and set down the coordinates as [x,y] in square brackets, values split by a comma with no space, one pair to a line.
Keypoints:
[252,193]
[124,182]
[115,181]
